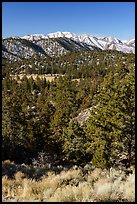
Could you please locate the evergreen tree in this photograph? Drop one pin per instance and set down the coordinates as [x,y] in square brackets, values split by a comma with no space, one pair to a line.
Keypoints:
[111,127]
[74,143]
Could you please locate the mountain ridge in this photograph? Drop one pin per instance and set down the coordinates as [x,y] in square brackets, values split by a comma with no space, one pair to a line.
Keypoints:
[76,36]
[59,43]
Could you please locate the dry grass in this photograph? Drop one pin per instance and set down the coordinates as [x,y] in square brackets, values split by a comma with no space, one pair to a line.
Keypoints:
[48,77]
[34,76]
[70,186]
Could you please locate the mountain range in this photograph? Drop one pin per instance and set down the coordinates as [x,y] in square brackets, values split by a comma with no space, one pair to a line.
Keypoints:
[59,43]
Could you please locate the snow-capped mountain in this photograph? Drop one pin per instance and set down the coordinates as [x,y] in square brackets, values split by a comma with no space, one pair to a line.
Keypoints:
[59,43]
[50,35]
[101,42]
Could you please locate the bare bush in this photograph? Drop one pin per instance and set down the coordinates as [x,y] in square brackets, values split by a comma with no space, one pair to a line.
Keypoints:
[71,185]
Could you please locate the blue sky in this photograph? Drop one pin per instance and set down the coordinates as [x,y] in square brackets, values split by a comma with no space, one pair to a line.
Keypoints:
[115,19]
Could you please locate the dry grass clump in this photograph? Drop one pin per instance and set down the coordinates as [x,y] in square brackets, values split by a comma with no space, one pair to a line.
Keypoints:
[116,187]
[80,193]
[71,186]
[127,188]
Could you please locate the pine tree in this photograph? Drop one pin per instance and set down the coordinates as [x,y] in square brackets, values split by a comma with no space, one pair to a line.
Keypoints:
[74,143]
[111,127]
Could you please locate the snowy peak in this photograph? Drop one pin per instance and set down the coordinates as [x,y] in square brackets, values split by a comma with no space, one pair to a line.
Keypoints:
[102,43]
[35,37]
[110,40]
[60,43]
[129,42]
[61,34]
[50,35]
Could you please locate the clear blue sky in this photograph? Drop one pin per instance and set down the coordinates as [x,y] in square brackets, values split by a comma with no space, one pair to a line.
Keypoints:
[115,19]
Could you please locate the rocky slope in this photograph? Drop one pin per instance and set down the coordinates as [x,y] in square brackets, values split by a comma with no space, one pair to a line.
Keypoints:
[59,43]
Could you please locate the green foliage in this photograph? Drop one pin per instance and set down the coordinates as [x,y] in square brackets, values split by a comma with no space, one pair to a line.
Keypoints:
[74,141]
[38,115]
[99,157]
[111,126]
[82,64]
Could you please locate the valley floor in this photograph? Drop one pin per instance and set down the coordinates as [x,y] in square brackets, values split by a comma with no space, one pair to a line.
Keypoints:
[48,77]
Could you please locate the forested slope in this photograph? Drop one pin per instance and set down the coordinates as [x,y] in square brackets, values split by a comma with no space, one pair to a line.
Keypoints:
[41,116]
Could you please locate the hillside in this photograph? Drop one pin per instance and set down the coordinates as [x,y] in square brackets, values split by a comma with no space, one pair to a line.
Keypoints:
[70,97]
[60,43]
[78,64]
